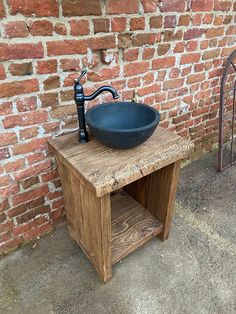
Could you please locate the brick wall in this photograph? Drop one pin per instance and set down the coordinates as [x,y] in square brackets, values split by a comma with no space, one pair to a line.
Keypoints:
[168,54]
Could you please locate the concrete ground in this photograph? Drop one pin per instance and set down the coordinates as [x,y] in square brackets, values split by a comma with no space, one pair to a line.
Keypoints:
[193,272]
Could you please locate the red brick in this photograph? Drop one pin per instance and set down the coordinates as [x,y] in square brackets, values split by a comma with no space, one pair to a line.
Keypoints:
[221,5]
[119,7]
[170,35]
[131,54]
[49,99]
[211,54]
[29,195]
[172,6]
[215,32]
[162,49]
[173,84]
[148,53]
[81,8]
[194,33]
[124,40]
[60,28]
[36,157]
[34,170]
[29,215]
[156,88]
[79,27]
[18,87]
[34,7]
[41,28]
[26,104]
[2,72]
[46,67]
[2,11]
[143,39]
[51,82]
[104,74]
[192,45]
[182,118]
[21,51]
[5,180]
[8,138]
[4,205]
[118,24]
[69,47]
[202,5]
[104,42]
[162,63]
[21,69]
[101,25]
[15,29]
[16,165]
[29,118]
[190,58]
[136,68]
[4,153]
[195,78]
[6,108]
[70,65]
[137,23]
[149,6]
[170,21]
[51,127]
[9,190]
[49,176]
[28,133]
[184,20]
[155,22]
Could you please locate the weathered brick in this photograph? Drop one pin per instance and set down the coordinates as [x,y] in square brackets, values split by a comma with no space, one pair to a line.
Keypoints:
[195,78]
[137,23]
[119,7]
[25,119]
[16,165]
[21,69]
[79,27]
[70,65]
[172,6]
[202,5]
[155,22]
[60,28]
[8,138]
[101,25]
[221,5]
[51,82]
[18,87]
[2,72]
[20,51]
[68,47]
[135,68]
[46,67]
[84,7]
[211,54]
[15,29]
[162,63]
[194,33]
[173,84]
[2,10]
[4,153]
[28,133]
[184,20]
[170,21]
[34,7]
[41,28]
[143,39]
[118,24]
[162,49]
[190,58]
[34,170]
[26,104]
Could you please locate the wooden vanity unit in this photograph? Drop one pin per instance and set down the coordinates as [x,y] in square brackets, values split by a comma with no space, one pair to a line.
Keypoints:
[116,200]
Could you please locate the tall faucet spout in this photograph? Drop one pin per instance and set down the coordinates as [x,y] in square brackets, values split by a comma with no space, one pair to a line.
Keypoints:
[101,90]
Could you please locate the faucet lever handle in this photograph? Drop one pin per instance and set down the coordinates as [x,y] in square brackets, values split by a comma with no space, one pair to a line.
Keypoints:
[81,75]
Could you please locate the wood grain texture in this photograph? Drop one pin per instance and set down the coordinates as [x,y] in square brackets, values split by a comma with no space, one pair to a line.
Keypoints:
[156,192]
[132,225]
[89,221]
[106,169]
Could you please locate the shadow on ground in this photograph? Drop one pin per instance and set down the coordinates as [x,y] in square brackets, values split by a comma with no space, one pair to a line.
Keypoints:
[193,272]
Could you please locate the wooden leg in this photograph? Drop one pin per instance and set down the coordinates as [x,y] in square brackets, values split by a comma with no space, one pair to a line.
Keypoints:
[89,220]
[156,192]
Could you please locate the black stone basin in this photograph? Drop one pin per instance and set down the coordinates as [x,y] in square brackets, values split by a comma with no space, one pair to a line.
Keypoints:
[122,124]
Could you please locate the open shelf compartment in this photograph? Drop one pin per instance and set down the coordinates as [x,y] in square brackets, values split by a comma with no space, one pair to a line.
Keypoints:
[131,226]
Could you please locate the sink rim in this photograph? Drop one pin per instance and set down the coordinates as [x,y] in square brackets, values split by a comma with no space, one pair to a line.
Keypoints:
[147,126]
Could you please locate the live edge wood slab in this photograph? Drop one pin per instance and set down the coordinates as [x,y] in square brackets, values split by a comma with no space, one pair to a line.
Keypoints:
[116,200]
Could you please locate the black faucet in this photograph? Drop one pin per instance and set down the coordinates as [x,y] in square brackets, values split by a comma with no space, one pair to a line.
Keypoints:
[80,98]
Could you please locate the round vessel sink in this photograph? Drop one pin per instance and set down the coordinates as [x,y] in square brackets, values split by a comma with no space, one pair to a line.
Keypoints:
[122,124]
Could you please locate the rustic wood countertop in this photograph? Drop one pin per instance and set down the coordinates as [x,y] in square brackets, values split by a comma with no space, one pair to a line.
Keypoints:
[106,169]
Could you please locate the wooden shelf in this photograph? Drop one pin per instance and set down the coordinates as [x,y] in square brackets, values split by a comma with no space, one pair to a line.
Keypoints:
[132,225]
